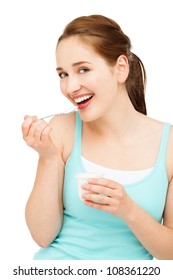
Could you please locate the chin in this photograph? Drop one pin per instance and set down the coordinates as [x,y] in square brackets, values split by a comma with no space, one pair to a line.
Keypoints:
[88,116]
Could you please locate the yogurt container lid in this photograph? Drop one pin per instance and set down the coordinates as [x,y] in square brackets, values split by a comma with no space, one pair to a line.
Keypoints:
[88,175]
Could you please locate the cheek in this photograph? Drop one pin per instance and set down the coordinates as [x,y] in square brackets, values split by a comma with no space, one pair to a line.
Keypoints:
[93,83]
[100,85]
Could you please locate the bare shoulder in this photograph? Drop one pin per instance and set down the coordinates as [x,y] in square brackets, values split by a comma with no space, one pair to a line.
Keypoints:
[63,133]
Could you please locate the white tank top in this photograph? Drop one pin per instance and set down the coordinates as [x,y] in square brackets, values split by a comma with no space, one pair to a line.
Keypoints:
[122,177]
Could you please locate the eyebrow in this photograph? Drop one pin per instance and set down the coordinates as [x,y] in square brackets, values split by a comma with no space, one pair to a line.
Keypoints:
[74,64]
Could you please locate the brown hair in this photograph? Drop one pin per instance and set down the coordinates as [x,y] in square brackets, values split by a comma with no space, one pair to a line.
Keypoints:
[107,38]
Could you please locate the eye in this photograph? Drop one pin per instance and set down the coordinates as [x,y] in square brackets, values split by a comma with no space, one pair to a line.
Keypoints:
[62,75]
[83,70]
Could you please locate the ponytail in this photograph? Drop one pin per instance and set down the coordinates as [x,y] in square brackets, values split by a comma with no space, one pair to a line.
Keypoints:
[136,83]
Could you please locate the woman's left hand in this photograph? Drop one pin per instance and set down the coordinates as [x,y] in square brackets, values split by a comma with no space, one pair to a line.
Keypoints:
[107,195]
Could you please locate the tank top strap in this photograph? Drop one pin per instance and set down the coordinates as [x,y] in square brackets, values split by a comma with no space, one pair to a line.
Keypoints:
[163,144]
[78,135]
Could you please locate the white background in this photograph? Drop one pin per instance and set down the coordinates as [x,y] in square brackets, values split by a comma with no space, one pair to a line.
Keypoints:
[29,85]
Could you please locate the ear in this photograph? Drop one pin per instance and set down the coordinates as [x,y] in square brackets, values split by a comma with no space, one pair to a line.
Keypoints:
[122,68]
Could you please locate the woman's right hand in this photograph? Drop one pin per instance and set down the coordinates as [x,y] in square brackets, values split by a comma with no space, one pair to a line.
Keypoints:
[36,133]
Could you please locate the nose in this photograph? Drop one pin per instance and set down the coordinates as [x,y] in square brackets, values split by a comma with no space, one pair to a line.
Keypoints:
[72,85]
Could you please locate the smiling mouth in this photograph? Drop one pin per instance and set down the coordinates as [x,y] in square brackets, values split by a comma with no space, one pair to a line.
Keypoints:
[83,100]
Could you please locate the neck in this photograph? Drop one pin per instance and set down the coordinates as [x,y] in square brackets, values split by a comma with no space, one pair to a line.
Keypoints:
[118,122]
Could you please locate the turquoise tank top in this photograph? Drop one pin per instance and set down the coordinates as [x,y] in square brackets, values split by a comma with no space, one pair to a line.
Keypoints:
[91,234]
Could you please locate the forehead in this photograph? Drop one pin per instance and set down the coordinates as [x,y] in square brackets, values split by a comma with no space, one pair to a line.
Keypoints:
[75,49]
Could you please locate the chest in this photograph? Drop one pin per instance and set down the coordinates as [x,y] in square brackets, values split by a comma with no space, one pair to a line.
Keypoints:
[128,155]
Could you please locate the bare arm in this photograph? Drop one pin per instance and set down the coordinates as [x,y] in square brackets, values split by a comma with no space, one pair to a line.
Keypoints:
[156,238]
[44,209]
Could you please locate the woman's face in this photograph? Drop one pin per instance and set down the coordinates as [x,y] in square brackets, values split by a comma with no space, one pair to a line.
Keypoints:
[86,79]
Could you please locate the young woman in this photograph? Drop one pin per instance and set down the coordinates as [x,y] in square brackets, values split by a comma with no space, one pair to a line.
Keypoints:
[127,214]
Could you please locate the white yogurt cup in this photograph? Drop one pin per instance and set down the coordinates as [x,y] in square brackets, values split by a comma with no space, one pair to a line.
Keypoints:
[82,178]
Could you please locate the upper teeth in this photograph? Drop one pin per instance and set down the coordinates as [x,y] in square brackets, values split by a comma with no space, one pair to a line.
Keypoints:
[80,99]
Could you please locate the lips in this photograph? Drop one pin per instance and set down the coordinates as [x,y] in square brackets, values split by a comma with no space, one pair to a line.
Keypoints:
[83,101]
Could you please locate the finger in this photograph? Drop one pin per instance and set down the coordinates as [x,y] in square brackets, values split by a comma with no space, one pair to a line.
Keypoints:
[104,182]
[46,133]
[38,129]
[35,126]
[96,198]
[99,189]
[100,206]
[27,125]
[28,116]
